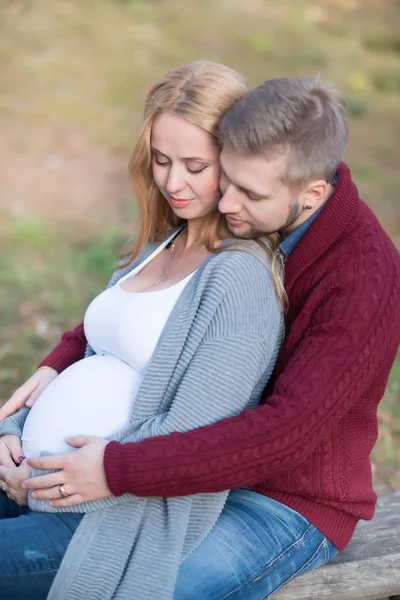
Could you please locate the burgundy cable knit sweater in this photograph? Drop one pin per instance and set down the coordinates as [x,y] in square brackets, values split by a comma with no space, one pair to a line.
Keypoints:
[308,444]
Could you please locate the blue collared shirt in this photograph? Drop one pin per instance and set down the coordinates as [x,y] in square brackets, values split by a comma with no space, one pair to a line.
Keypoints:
[288,244]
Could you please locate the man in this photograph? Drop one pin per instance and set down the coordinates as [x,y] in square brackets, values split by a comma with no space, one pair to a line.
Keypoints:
[304,452]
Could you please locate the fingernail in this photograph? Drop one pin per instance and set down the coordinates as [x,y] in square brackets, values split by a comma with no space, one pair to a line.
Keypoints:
[21,458]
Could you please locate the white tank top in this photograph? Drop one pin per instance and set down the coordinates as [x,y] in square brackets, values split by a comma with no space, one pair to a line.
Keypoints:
[128,325]
[95,396]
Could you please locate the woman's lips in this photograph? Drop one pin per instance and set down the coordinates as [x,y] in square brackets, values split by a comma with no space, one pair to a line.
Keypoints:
[234,222]
[179,203]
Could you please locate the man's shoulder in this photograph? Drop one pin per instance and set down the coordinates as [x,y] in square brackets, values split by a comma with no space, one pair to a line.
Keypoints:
[365,243]
[362,262]
[372,232]
[369,243]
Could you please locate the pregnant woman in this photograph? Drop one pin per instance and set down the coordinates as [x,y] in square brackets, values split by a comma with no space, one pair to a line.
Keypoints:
[186,333]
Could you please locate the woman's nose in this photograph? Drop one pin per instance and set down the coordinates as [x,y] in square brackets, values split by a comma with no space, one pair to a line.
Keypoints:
[175,181]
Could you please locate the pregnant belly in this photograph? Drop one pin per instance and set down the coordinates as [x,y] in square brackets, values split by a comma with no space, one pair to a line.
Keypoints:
[94,396]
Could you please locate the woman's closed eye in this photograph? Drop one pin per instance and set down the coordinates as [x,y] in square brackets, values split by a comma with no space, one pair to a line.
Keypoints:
[196,165]
[197,170]
[162,163]
[192,170]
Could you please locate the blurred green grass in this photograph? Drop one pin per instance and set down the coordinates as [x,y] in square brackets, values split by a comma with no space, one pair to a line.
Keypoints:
[86,67]
[48,280]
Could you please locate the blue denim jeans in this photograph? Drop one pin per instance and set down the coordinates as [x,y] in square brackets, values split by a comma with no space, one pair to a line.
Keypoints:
[256,546]
[31,549]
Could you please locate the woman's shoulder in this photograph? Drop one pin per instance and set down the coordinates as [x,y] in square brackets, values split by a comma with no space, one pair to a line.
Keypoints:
[243,256]
[239,278]
[242,268]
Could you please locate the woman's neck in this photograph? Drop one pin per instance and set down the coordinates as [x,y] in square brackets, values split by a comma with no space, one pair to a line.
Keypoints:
[192,235]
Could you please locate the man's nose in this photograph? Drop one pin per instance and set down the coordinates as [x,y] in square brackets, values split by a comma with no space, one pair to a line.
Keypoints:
[175,181]
[230,201]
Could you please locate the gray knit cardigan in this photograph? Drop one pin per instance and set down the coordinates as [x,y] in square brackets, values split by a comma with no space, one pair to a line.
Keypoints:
[213,360]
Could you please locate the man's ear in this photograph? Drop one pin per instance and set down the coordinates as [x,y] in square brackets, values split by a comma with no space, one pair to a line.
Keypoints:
[314,194]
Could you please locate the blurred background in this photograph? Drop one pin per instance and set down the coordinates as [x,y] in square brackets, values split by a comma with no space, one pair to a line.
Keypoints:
[73,77]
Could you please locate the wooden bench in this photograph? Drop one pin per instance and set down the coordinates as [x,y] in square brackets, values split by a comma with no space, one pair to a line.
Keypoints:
[369,568]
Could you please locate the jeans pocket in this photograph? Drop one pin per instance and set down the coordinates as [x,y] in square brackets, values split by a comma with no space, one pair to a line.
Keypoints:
[319,557]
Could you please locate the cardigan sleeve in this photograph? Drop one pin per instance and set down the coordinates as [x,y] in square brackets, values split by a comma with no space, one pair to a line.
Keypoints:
[14,424]
[349,338]
[69,350]
[235,356]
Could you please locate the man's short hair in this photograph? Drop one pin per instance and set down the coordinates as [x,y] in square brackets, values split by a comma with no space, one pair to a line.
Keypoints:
[301,116]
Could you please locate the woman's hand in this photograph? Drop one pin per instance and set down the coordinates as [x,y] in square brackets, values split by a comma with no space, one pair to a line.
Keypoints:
[10,451]
[81,473]
[27,393]
[11,480]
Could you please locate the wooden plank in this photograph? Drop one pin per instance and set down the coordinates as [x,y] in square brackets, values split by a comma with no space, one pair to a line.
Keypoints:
[368,569]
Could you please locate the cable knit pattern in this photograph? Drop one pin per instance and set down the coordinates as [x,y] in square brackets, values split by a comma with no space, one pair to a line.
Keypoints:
[308,445]
[213,360]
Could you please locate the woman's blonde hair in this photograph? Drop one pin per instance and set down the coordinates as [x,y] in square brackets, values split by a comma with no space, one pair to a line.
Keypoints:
[200,92]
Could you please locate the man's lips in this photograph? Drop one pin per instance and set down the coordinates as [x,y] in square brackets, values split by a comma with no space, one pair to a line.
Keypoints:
[179,202]
[234,222]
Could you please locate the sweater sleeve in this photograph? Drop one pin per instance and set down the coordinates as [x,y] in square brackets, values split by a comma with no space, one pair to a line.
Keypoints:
[225,376]
[69,350]
[14,424]
[350,335]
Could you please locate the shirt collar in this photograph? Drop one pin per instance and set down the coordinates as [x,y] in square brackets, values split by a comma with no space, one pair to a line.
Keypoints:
[288,244]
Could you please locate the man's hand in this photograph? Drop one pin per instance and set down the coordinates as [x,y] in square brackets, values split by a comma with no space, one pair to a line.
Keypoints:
[28,392]
[81,474]
[12,479]
[10,451]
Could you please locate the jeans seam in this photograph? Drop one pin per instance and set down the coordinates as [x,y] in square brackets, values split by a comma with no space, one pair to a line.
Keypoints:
[326,552]
[299,571]
[276,561]
[309,562]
